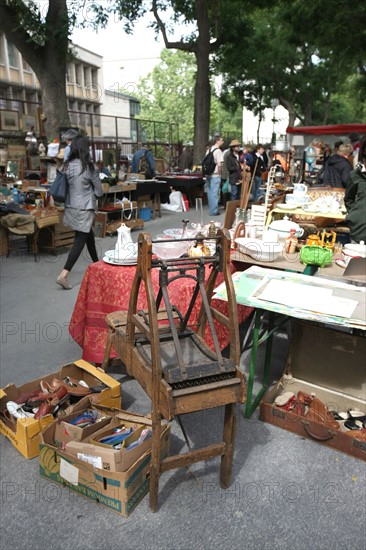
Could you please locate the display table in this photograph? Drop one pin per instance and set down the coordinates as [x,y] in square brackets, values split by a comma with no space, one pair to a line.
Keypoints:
[298,296]
[190,184]
[106,288]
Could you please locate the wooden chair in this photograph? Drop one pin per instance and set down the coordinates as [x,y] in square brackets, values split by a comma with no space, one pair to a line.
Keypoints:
[168,355]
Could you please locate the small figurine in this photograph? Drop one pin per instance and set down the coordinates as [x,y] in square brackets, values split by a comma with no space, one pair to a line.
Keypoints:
[41,150]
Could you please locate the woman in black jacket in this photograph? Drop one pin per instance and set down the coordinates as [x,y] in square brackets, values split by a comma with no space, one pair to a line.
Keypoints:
[234,169]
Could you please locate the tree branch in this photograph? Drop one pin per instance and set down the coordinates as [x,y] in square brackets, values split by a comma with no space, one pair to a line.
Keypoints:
[170,45]
[9,25]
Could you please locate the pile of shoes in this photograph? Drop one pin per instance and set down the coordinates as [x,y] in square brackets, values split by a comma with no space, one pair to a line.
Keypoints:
[352,422]
[50,398]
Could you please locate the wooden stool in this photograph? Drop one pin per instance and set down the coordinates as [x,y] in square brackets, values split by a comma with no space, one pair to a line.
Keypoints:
[170,359]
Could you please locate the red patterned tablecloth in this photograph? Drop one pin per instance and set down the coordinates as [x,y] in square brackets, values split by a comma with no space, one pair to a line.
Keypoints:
[106,288]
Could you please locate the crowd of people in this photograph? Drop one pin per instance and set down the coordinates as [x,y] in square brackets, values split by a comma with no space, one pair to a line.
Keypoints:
[344,166]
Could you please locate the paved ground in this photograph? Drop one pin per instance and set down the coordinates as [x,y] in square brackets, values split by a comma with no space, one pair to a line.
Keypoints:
[287,492]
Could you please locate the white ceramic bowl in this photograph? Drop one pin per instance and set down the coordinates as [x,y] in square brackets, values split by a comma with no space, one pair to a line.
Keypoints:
[259,250]
[283,227]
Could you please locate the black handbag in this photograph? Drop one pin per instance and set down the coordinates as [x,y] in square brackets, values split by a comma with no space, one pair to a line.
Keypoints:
[59,187]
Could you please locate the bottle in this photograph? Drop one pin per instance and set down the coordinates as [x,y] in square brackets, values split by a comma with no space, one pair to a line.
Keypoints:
[291,242]
[210,242]
[15,195]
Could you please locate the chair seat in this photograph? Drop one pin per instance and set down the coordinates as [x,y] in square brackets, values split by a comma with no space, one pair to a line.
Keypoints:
[197,359]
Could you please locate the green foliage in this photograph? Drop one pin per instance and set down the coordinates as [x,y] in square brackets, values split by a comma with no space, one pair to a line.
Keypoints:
[166,94]
[293,53]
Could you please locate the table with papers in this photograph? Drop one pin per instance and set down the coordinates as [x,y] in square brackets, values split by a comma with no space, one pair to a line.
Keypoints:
[338,304]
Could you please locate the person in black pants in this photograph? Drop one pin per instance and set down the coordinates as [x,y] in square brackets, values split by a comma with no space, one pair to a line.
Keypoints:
[80,205]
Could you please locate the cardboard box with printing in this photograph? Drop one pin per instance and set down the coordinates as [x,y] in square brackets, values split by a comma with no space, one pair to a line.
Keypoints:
[118,491]
[24,432]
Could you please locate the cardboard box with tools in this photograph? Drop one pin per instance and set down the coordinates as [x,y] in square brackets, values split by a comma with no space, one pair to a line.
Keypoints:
[325,379]
[66,430]
[24,432]
[107,456]
[119,491]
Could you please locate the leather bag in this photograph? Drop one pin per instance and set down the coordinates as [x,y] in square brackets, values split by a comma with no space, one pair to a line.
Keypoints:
[59,187]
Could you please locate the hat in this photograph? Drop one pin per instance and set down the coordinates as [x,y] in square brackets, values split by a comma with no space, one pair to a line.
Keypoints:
[234,143]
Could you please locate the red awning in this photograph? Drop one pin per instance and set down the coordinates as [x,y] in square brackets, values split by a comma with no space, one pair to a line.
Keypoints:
[335,129]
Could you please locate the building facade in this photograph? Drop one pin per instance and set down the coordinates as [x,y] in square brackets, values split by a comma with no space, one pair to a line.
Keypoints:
[103,115]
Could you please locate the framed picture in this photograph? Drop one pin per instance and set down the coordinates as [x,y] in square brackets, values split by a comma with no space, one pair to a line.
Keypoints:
[28,122]
[9,120]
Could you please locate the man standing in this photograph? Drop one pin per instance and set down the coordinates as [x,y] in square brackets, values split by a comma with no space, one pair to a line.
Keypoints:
[213,180]
[143,154]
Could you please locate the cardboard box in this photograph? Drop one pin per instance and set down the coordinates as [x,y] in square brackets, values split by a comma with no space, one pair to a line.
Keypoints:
[118,491]
[24,433]
[329,363]
[111,459]
[66,432]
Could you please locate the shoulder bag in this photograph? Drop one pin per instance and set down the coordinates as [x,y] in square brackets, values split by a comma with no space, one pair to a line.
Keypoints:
[59,187]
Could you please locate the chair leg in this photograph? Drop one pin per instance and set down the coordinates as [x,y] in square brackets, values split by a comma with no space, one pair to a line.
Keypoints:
[107,351]
[155,461]
[228,437]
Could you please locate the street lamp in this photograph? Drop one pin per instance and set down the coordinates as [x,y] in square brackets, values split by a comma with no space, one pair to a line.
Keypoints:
[274,104]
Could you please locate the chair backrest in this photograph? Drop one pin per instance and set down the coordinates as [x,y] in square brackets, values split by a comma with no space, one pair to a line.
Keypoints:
[231,207]
[192,269]
[259,215]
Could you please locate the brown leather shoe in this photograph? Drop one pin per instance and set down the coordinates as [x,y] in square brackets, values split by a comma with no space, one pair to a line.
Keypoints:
[318,412]
[72,385]
[49,406]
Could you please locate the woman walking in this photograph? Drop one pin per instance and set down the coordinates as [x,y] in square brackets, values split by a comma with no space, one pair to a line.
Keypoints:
[80,205]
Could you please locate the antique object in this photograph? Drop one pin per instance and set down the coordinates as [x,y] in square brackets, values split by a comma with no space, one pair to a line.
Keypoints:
[169,356]
[316,255]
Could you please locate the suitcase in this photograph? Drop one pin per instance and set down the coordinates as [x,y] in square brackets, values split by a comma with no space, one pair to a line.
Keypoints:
[330,364]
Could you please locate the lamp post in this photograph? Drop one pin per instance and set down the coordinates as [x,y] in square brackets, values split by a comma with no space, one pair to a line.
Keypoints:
[274,104]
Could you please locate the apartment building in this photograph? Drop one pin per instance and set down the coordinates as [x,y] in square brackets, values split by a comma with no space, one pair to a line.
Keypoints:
[104,114]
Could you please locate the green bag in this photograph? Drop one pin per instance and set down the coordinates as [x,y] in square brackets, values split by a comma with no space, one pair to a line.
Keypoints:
[225,187]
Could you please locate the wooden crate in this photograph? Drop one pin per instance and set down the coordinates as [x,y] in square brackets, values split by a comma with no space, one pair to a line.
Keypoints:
[57,237]
[4,243]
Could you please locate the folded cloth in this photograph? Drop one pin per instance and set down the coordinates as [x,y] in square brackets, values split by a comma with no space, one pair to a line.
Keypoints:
[20,224]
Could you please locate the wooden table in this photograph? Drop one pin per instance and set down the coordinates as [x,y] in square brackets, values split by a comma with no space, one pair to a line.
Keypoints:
[318,218]
[191,184]
[106,288]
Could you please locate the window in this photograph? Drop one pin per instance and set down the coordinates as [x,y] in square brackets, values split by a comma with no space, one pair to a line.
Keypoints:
[26,67]
[12,55]
[134,108]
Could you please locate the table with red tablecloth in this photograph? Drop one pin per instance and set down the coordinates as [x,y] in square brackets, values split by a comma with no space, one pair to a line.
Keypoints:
[106,288]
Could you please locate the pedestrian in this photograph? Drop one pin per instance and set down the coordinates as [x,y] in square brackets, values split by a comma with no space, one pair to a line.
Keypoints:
[143,162]
[233,167]
[338,167]
[355,197]
[84,186]
[213,181]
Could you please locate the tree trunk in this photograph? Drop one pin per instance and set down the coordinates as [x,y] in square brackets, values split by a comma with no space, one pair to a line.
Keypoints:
[202,90]
[54,101]
[48,60]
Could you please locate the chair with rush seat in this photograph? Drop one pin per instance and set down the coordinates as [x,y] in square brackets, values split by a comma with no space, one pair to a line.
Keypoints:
[165,350]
